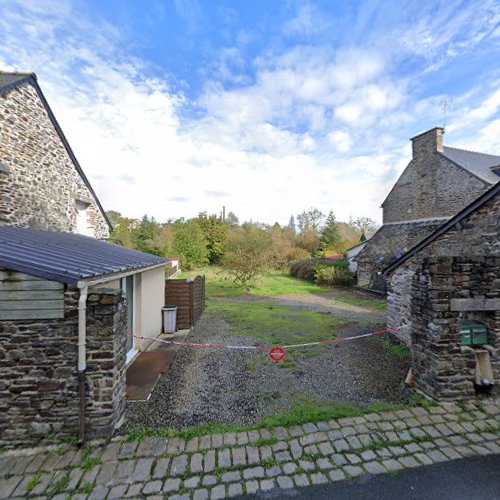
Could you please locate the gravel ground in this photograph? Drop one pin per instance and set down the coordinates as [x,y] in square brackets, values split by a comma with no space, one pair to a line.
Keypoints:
[206,385]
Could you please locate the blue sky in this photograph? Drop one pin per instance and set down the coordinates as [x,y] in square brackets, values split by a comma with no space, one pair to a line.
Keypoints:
[268,108]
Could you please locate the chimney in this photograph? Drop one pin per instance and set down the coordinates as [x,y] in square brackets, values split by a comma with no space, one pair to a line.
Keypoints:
[428,142]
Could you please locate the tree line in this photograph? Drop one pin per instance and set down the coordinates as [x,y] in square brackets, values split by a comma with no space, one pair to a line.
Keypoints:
[210,239]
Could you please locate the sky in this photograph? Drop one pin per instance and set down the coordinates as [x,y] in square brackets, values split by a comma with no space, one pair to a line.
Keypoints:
[267,108]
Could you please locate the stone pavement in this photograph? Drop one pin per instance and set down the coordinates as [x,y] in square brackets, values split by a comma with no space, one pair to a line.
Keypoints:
[232,464]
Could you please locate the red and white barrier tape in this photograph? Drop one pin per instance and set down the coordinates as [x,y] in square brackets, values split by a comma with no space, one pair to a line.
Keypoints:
[266,348]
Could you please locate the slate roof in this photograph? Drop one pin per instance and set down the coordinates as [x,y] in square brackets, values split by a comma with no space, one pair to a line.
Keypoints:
[9,81]
[392,240]
[478,164]
[451,223]
[67,257]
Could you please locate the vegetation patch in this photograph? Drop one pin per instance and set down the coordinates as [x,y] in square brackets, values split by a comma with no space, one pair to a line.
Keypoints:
[396,350]
[344,297]
[218,284]
[277,324]
[89,463]
[34,481]
[311,411]
[60,486]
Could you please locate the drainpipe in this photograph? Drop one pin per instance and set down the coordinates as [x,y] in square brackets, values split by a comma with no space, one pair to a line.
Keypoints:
[82,357]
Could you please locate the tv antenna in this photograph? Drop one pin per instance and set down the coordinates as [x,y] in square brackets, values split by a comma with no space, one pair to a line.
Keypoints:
[445,104]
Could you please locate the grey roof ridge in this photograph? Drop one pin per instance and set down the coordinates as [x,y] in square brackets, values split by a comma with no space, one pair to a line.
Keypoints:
[23,78]
[358,244]
[416,221]
[465,169]
[472,207]
[32,78]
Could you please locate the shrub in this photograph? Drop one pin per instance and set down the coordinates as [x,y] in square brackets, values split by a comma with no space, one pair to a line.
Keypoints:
[306,269]
[333,276]
[247,255]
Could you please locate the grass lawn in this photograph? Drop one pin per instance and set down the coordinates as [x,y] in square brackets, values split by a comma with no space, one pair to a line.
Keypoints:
[353,299]
[277,324]
[275,283]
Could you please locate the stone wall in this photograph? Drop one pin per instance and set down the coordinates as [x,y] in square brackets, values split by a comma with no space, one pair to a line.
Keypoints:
[443,368]
[39,184]
[431,185]
[425,293]
[399,303]
[478,235]
[38,372]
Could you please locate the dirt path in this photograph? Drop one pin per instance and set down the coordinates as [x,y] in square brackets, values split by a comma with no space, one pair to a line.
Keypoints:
[241,387]
[323,302]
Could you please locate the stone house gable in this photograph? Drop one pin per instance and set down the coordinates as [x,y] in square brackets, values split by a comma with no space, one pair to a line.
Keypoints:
[42,186]
[433,185]
[437,183]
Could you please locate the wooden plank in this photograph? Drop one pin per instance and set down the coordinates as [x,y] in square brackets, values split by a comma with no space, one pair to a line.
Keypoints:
[30,285]
[32,295]
[15,276]
[41,314]
[15,305]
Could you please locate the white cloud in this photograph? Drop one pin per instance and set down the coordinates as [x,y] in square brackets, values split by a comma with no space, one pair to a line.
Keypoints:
[340,140]
[313,126]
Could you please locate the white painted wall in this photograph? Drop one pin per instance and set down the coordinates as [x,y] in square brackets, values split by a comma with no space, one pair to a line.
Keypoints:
[150,298]
[351,253]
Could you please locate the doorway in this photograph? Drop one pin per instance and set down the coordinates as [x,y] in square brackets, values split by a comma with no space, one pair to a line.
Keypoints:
[128,287]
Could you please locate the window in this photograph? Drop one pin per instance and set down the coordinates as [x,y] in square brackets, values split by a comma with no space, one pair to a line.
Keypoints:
[81,218]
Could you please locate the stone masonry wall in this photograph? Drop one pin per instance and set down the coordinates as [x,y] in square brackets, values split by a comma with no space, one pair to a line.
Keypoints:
[399,303]
[478,235]
[443,368]
[41,185]
[106,355]
[431,185]
[38,372]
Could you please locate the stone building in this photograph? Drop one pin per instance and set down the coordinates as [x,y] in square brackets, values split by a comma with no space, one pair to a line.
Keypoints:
[67,305]
[446,281]
[437,183]
[42,185]
[67,301]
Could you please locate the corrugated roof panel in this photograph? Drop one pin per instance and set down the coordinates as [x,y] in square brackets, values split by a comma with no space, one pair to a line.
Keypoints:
[66,257]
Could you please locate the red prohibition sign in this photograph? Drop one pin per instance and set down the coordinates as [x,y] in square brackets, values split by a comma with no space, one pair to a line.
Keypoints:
[277,353]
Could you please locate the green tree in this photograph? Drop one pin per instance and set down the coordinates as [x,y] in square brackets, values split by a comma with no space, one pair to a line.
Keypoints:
[214,230]
[247,254]
[190,243]
[330,237]
[114,217]
[363,224]
[122,230]
[146,237]
[231,219]
[310,219]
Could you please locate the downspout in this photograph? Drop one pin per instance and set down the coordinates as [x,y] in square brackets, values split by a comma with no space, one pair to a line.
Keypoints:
[82,357]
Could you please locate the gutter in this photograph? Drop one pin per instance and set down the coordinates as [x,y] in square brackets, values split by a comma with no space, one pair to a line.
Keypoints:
[82,357]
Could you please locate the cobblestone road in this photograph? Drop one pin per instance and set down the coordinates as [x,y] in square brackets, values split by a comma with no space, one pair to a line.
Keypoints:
[232,464]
